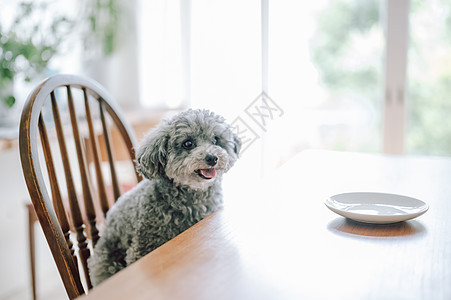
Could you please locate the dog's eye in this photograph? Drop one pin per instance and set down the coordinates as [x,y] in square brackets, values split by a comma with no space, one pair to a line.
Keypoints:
[188,144]
[216,140]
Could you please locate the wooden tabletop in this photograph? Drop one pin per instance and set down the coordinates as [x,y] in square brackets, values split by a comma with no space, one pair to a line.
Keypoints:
[275,238]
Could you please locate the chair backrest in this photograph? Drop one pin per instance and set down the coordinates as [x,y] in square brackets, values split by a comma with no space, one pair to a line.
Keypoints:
[65,111]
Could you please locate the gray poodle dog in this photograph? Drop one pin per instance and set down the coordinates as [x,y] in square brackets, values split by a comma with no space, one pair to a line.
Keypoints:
[183,161]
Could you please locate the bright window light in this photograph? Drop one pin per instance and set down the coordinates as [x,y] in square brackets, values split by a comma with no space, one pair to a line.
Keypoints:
[162,81]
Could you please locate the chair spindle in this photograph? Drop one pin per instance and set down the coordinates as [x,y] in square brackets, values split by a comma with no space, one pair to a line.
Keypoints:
[77,219]
[87,195]
[95,153]
[56,194]
[106,135]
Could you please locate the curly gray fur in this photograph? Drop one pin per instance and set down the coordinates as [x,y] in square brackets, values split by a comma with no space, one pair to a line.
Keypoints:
[175,193]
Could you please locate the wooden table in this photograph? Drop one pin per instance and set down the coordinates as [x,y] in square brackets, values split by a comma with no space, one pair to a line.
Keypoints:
[276,239]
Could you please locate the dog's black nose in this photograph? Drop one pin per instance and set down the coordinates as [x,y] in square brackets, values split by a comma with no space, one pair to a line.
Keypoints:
[211,160]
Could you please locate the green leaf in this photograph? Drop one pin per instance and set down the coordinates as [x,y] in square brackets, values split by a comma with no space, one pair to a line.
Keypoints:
[10,100]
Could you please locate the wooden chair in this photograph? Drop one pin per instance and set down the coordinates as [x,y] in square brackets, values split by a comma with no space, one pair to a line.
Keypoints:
[64,111]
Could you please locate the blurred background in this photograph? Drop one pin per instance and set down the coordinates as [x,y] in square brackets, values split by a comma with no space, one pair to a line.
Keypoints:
[348,75]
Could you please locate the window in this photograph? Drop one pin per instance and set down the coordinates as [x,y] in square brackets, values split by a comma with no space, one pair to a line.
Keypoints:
[326,72]
[429,78]
[347,74]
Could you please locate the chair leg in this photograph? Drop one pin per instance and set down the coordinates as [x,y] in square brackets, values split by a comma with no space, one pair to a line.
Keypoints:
[31,220]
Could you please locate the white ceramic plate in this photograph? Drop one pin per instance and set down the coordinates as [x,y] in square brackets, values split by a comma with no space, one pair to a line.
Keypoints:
[378,208]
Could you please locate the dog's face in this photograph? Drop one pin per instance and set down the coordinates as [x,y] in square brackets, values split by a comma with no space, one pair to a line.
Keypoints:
[195,148]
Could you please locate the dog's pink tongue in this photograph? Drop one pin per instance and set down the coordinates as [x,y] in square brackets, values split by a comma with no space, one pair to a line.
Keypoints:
[208,173]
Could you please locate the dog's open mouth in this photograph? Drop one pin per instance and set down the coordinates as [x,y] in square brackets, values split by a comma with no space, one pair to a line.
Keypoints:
[206,173]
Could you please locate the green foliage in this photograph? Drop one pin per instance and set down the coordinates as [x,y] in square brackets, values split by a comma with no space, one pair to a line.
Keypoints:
[429,125]
[334,47]
[344,28]
[24,49]
[103,17]
[22,55]
[10,100]
[28,46]
[429,78]
[347,50]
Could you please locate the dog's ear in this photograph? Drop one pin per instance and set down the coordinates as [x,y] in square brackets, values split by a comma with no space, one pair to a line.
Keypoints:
[237,144]
[151,156]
